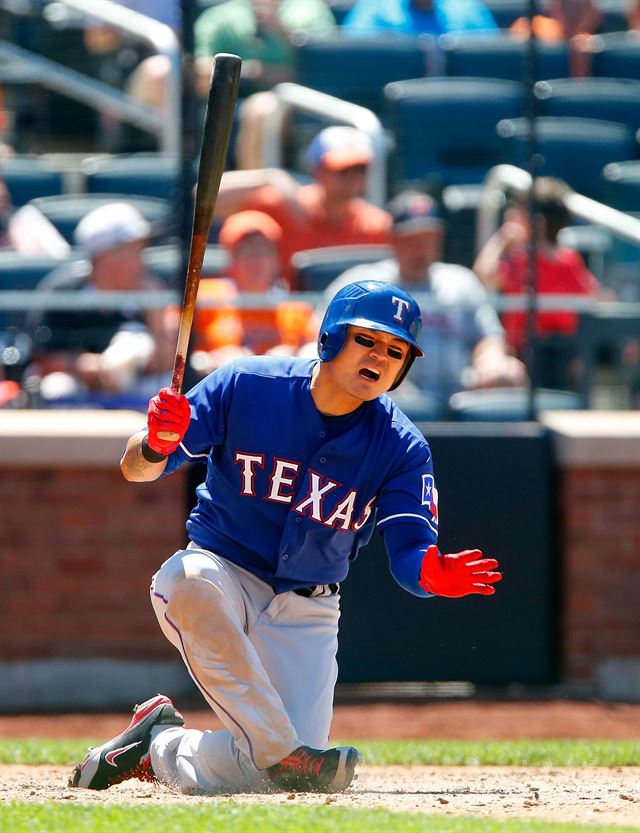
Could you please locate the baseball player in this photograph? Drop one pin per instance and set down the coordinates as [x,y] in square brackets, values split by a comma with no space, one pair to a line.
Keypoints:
[305,458]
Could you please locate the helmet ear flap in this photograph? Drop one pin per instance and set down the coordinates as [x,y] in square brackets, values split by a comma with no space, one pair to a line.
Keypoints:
[331,342]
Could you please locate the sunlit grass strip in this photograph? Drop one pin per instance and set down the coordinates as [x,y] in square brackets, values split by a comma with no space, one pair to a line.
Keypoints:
[544,753]
[224,816]
[381,752]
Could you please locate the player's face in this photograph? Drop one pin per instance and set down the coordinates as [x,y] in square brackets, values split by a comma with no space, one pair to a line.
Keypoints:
[369,363]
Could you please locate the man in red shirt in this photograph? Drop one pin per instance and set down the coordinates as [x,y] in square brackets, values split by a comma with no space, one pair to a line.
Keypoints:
[502,264]
[327,212]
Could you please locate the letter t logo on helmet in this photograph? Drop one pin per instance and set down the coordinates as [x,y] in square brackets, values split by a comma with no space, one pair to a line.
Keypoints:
[376,305]
[402,306]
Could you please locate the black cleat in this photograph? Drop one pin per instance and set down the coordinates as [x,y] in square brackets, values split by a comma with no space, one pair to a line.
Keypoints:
[315,770]
[126,756]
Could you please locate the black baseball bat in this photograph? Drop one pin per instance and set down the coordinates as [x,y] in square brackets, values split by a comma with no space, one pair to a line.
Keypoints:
[221,103]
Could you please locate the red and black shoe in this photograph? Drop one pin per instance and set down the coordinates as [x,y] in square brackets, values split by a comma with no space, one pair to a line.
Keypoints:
[127,756]
[315,770]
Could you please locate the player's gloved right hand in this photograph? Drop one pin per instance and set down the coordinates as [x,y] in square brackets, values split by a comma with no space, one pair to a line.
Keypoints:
[458,574]
[168,412]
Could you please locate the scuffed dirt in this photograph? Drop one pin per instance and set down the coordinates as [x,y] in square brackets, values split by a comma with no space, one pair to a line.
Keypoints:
[603,795]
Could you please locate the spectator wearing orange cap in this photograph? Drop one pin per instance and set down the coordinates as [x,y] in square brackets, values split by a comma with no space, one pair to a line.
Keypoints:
[327,212]
[225,332]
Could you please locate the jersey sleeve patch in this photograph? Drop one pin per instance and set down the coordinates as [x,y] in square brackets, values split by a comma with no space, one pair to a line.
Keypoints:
[430,495]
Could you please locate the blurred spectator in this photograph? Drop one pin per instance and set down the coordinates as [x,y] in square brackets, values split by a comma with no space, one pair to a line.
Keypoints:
[633,15]
[224,333]
[6,210]
[502,266]
[259,32]
[328,212]
[103,352]
[5,148]
[573,21]
[418,17]
[124,62]
[463,342]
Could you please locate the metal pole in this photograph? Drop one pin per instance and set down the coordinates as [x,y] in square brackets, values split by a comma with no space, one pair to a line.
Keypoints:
[529,80]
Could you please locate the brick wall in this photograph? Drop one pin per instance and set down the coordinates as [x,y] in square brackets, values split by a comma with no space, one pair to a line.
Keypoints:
[600,510]
[79,546]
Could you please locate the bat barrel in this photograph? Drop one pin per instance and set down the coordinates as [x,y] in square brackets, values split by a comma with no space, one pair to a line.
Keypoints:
[221,102]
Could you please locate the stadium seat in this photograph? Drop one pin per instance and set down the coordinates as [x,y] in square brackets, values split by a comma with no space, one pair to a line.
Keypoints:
[20,272]
[460,207]
[142,174]
[357,68]
[622,185]
[509,404]
[616,55]
[166,263]
[571,149]
[66,211]
[28,176]
[505,12]
[501,55]
[604,333]
[445,128]
[608,99]
[622,191]
[316,268]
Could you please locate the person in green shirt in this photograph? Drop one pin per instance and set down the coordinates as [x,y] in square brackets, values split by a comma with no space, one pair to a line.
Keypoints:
[259,31]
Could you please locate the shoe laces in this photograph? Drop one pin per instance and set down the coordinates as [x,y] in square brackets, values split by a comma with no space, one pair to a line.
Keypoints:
[302,762]
[142,771]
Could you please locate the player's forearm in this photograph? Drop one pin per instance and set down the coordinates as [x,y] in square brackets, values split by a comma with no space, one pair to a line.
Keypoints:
[135,466]
[406,544]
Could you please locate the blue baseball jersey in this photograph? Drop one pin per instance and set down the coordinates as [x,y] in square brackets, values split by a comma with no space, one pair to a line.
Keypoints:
[291,495]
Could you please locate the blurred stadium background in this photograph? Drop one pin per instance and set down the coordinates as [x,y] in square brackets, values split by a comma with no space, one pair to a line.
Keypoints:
[546,479]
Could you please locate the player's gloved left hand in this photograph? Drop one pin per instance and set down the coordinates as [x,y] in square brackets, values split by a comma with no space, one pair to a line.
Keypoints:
[168,412]
[458,574]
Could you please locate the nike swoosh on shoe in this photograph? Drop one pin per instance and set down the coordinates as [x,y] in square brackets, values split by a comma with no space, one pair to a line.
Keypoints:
[110,757]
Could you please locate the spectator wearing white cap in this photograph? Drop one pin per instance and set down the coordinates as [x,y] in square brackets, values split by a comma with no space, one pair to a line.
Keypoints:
[90,353]
[462,337]
[328,212]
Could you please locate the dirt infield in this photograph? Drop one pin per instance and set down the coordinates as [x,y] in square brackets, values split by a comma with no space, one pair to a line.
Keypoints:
[604,795]
[465,719]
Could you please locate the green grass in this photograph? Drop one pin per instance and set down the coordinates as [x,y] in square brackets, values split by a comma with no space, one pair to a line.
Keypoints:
[434,753]
[224,816]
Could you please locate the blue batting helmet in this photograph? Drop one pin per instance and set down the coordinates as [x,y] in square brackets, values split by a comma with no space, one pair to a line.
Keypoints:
[376,305]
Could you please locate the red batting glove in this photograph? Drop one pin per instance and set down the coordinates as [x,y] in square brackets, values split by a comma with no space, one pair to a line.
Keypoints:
[168,411]
[458,574]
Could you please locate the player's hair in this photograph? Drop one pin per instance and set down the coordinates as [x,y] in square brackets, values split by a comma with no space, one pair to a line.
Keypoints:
[375,305]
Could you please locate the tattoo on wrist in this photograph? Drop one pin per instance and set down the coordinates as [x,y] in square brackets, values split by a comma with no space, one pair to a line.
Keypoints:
[149,454]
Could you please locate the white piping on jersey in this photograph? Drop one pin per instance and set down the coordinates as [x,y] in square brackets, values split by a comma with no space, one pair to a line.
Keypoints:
[409,515]
[189,454]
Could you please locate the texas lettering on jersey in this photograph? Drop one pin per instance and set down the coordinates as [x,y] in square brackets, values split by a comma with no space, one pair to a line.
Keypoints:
[283,488]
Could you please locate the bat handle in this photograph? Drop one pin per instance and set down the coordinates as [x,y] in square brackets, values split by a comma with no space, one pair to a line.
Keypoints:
[168,436]
[176,387]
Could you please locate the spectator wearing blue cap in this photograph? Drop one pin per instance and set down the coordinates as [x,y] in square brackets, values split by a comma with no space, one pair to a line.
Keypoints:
[462,337]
